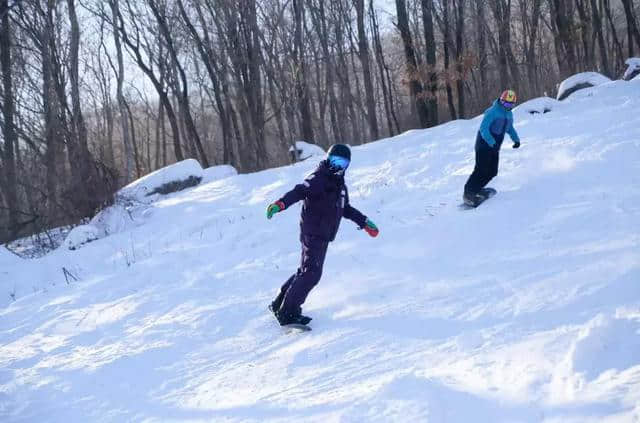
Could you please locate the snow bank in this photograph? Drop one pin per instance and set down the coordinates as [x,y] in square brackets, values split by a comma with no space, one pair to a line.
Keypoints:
[304,150]
[580,81]
[114,219]
[538,105]
[81,235]
[633,69]
[132,201]
[143,189]
[215,173]
[606,344]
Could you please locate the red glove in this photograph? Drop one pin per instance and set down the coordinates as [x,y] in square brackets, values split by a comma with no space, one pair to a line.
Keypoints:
[371,228]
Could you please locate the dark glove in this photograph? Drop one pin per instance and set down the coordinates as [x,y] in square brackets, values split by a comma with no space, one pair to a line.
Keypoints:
[516,144]
[274,208]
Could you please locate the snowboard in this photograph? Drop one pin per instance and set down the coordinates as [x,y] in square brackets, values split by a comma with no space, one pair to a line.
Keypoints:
[485,193]
[296,327]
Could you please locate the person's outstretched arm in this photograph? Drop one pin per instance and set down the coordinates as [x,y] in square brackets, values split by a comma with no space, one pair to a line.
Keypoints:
[309,187]
[513,134]
[360,219]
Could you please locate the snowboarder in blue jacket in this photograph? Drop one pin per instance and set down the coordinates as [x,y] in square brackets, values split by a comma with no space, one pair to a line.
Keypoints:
[326,202]
[498,120]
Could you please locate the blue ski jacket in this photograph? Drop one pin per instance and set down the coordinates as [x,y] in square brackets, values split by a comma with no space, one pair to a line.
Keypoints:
[326,202]
[496,121]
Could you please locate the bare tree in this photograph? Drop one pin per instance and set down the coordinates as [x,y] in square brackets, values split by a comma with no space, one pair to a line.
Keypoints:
[430,46]
[363,50]
[7,154]
[415,86]
[632,25]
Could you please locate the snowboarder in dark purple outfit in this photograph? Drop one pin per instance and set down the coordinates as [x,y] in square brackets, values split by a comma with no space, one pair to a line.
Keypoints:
[326,202]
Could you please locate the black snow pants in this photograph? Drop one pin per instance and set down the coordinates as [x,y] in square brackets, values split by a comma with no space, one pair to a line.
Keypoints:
[295,290]
[486,166]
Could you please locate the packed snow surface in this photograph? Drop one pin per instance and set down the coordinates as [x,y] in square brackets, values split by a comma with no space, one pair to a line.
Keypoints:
[592,78]
[526,309]
[215,173]
[539,105]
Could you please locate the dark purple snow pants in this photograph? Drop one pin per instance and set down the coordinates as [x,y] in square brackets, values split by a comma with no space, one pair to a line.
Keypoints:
[295,290]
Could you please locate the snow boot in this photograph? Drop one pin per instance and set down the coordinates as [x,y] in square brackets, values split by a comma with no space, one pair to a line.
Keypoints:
[287,319]
[274,307]
[472,200]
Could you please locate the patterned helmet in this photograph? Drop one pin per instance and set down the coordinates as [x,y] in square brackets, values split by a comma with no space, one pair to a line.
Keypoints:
[508,96]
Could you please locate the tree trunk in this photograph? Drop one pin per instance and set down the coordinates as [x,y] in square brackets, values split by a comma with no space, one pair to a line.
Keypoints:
[446,29]
[204,48]
[302,88]
[134,46]
[385,76]
[607,7]
[564,25]
[184,93]
[598,28]
[632,25]
[415,86]
[8,129]
[124,121]
[88,187]
[459,14]
[585,33]
[482,50]
[430,46]
[363,50]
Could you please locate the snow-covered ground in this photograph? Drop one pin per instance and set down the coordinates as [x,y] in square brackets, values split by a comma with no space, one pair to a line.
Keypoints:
[526,309]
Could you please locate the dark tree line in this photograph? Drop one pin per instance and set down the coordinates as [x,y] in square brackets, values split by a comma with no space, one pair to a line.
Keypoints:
[96,93]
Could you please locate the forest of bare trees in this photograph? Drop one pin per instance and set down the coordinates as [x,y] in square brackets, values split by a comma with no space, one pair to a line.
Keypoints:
[96,93]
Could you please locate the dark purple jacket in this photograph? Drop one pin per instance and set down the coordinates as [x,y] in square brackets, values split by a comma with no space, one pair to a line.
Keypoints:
[326,201]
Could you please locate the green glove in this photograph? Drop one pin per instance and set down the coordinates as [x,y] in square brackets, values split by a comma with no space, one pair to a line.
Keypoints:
[274,208]
[371,228]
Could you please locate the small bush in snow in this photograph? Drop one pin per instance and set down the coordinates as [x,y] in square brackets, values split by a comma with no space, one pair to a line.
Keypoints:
[175,186]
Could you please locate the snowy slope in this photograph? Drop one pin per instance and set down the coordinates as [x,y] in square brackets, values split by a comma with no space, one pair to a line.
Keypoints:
[526,309]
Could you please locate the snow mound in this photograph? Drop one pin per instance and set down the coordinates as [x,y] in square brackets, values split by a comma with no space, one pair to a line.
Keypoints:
[81,235]
[216,173]
[580,81]
[188,171]
[606,344]
[132,201]
[538,105]
[305,150]
[633,69]
[117,218]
